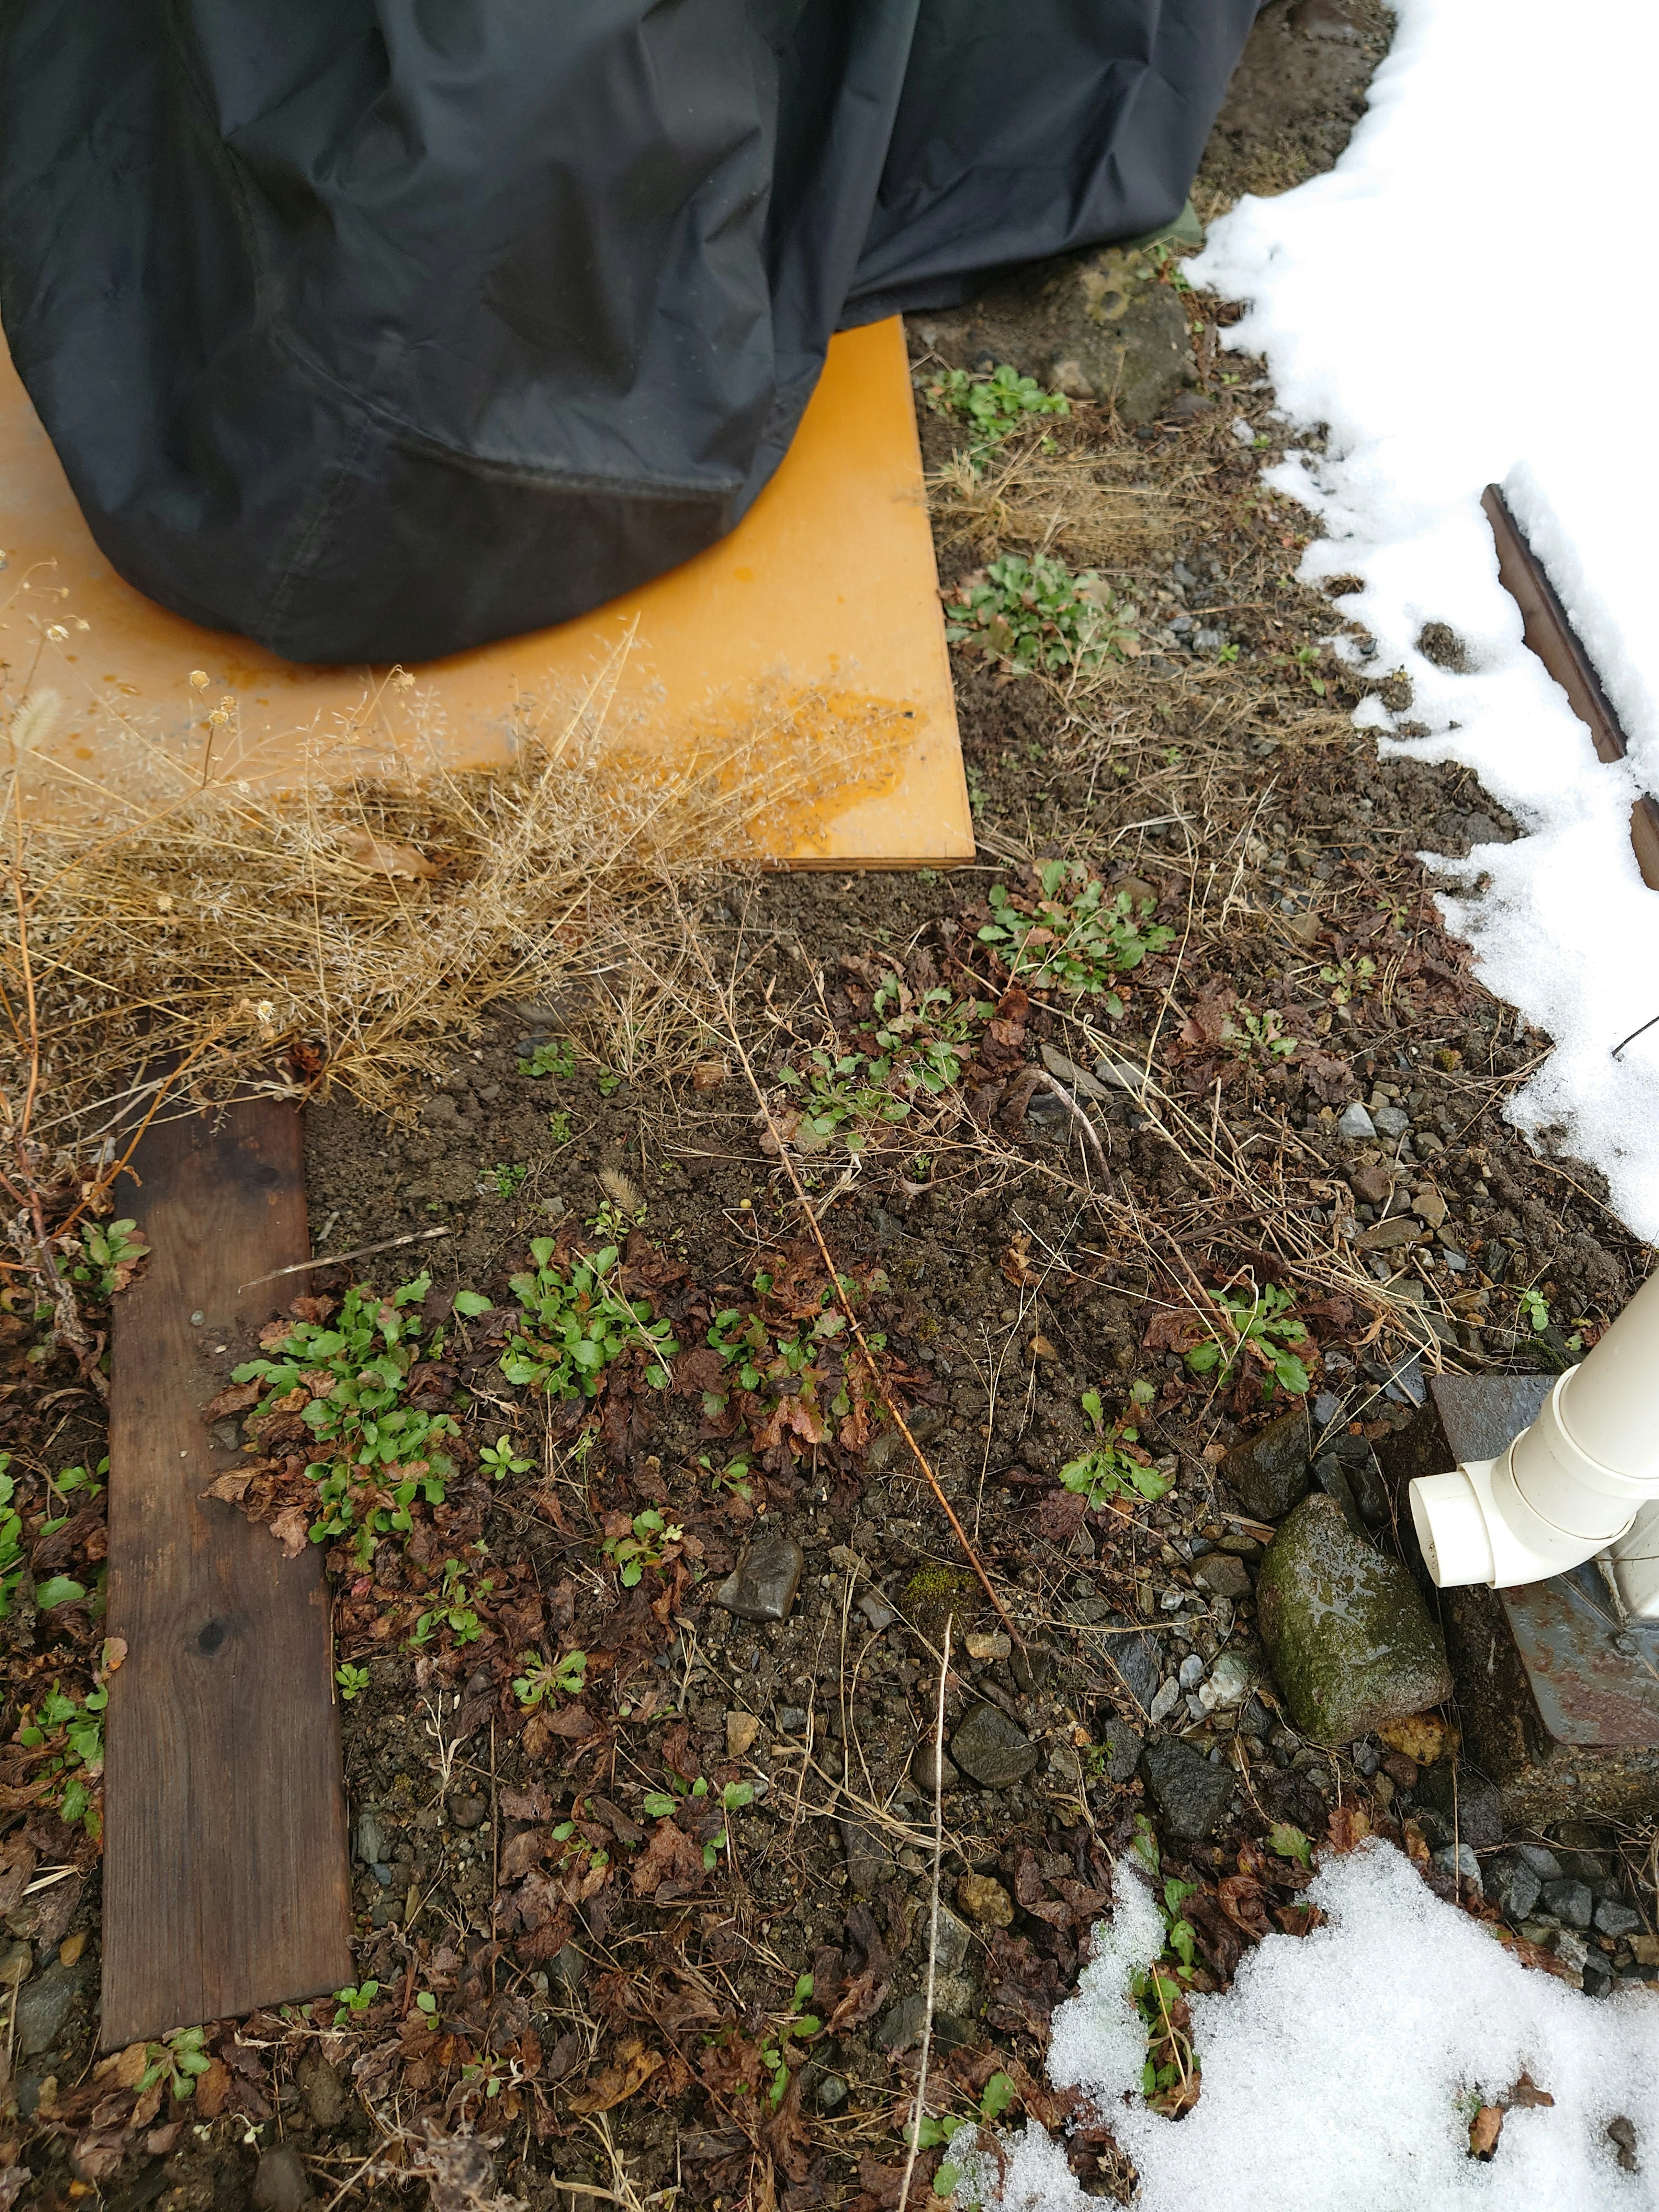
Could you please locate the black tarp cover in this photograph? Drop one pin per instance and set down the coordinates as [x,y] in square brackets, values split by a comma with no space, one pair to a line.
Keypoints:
[376,329]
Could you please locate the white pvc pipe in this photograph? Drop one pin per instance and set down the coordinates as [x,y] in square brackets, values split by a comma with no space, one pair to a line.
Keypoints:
[1567,1487]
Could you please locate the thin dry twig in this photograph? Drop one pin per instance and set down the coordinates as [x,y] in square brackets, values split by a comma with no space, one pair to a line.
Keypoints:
[932,1925]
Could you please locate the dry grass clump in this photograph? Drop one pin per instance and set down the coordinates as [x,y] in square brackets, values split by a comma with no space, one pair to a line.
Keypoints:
[1085,507]
[194,946]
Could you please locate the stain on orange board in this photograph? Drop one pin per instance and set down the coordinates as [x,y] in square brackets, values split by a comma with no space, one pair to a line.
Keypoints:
[814,630]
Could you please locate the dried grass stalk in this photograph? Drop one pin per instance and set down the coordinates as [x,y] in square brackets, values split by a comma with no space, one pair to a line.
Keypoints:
[354,929]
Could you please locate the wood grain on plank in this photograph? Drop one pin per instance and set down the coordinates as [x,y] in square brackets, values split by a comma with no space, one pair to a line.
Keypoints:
[1551,635]
[226,1880]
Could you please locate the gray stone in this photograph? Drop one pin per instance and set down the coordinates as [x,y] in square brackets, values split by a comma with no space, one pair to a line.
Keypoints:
[1190,1794]
[324,2091]
[1347,1633]
[566,1968]
[987,1746]
[922,1765]
[1542,1860]
[1096,325]
[902,2028]
[1165,1701]
[765,1581]
[792,1719]
[1391,1120]
[1615,1919]
[16,1965]
[1478,1808]
[1327,1408]
[1570,1902]
[1122,1746]
[279,2181]
[469,1812]
[832,2094]
[1229,1682]
[1512,1886]
[1191,1670]
[1223,1574]
[43,2006]
[951,1942]
[1356,1124]
[1268,1471]
[868,1859]
[370,1838]
[1457,1859]
[877,1611]
[1135,1657]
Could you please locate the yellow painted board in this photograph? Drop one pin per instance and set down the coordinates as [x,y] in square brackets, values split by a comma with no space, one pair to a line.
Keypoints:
[816,623]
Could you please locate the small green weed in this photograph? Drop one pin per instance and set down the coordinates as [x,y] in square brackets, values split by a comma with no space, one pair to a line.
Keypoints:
[566,1676]
[178,2062]
[1349,979]
[995,407]
[1075,936]
[558,1126]
[1263,1326]
[379,1456]
[663,1804]
[556,1058]
[647,1537]
[733,1477]
[576,1323]
[454,1609]
[499,1459]
[353,2002]
[1115,1467]
[796,2026]
[69,1732]
[1037,618]
[1263,1033]
[112,1252]
[352,1680]
[994,2099]
[503,1179]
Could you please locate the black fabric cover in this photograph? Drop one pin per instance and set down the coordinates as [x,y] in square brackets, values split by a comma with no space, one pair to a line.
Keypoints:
[376,329]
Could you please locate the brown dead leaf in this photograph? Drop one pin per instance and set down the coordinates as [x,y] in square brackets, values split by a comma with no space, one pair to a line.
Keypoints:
[124,2070]
[668,1857]
[1016,1266]
[531,1804]
[384,857]
[235,1398]
[709,1075]
[115,1652]
[1484,2130]
[520,1852]
[629,2070]
[1526,2093]
[292,1529]
[211,2090]
[230,1488]
[1349,1826]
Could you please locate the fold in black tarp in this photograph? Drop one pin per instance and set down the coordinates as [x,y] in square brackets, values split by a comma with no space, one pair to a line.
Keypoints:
[375,329]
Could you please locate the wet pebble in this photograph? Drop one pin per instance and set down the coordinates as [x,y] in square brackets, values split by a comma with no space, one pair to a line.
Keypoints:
[984,1899]
[762,1586]
[990,1747]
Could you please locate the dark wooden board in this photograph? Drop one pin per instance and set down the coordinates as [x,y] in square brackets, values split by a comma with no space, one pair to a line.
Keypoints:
[226,1876]
[1551,635]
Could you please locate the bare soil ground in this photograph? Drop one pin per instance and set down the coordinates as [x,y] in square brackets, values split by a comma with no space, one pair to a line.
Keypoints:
[590,1896]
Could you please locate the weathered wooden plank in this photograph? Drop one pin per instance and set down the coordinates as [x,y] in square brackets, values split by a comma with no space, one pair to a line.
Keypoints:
[1552,636]
[225,1882]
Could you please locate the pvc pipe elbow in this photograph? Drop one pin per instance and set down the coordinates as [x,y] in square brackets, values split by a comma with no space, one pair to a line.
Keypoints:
[1568,1486]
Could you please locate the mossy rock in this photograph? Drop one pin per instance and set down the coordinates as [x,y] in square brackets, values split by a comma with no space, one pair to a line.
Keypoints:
[934,1595]
[1350,1638]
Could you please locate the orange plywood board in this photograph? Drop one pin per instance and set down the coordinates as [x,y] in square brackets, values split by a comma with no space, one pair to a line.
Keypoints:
[816,623]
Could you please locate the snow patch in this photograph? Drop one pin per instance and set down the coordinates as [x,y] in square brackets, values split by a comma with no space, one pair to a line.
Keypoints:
[1460,301]
[1339,2071]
